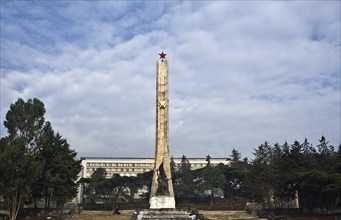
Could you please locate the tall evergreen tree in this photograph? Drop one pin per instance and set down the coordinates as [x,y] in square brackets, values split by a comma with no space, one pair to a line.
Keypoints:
[235,155]
[26,120]
[258,185]
[19,170]
[19,166]
[33,160]
[208,160]
[235,174]
[172,166]
[184,179]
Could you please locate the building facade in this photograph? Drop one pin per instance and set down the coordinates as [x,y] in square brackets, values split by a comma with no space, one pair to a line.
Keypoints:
[131,166]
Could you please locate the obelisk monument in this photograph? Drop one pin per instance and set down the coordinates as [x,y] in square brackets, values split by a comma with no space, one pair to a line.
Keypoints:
[161,193]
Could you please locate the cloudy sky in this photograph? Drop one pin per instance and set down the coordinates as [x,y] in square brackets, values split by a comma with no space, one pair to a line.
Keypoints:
[241,72]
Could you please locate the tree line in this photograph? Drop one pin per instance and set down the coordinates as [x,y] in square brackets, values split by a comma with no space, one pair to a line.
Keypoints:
[279,176]
[280,173]
[37,165]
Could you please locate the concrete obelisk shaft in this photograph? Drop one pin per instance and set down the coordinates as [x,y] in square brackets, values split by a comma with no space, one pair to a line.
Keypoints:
[162,194]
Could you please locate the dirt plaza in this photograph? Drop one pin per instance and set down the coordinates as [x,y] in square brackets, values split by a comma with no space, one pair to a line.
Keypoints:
[127,215]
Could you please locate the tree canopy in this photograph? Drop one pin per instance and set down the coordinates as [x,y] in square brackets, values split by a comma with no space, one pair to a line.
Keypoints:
[35,162]
[295,172]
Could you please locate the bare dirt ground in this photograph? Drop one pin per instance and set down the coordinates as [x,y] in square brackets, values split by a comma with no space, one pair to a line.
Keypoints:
[104,215]
[127,214]
[222,215]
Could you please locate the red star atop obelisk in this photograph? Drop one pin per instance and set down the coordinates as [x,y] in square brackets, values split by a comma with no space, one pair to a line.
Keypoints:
[162,55]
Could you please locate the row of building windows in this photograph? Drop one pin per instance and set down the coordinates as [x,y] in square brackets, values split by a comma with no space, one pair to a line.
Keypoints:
[120,164]
[198,165]
[132,167]
[120,170]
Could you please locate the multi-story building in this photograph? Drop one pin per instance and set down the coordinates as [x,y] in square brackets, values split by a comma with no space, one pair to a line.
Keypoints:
[131,166]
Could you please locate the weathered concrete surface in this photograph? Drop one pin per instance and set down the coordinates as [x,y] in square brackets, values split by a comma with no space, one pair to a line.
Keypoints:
[170,214]
[230,215]
[162,179]
[162,202]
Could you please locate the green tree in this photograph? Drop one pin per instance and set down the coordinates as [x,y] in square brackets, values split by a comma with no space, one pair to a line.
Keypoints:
[60,169]
[19,165]
[184,164]
[26,120]
[208,159]
[172,165]
[283,172]
[144,180]
[258,185]
[35,162]
[235,155]
[212,179]
[183,179]
[235,174]
[100,187]
[120,183]
[18,172]
[99,174]
[325,154]
[319,181]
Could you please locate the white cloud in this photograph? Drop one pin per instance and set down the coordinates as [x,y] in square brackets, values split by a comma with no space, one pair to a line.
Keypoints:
[240,72]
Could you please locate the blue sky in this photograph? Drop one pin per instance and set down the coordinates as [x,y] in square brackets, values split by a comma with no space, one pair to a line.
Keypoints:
[241,73]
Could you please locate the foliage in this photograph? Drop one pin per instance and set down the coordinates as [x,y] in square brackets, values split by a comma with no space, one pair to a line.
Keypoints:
[26,120]
[276,177]
[208,159]
[298,171]
[236,156]
[172,166]
[60,169]
[18,172]
[212,179]
[235,175]
[35,163]
[183,179]
[19,166]
[106,190]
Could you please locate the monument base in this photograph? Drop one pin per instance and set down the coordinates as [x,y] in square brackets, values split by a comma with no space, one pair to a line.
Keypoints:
[162,202]
[153,214]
